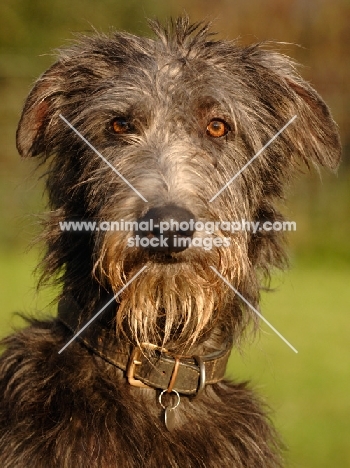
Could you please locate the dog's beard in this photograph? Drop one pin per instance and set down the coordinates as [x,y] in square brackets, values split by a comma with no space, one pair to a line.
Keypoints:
[175,300]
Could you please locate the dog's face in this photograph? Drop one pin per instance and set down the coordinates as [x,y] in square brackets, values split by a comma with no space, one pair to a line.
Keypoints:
[178,117]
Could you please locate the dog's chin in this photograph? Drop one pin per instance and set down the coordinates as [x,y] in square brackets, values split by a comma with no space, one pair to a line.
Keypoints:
[168,300]
[118,266]
[162,294]
[169,295]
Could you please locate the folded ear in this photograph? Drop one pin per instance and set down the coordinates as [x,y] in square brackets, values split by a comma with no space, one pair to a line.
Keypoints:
[315,134]
[319,139]
[32,131]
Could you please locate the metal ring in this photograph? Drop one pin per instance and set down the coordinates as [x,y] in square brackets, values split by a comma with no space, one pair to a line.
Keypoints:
[176,404]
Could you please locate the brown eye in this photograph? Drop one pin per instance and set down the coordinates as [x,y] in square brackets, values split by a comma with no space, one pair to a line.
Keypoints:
[121,126]
[217,128]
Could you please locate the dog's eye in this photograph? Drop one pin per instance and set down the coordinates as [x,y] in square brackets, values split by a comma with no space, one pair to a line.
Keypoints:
[217,128]
[120,125]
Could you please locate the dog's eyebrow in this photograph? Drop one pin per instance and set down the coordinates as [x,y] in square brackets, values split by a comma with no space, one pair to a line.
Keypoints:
[102,157]
[253,158]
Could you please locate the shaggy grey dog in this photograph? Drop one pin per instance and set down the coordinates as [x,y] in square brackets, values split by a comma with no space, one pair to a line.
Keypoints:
[147,132]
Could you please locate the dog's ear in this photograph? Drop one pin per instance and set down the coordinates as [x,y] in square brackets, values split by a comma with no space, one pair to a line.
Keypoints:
[32,131]
[319,136]
[316,136]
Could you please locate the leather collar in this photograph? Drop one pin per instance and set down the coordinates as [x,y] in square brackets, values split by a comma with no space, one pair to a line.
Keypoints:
[146,366]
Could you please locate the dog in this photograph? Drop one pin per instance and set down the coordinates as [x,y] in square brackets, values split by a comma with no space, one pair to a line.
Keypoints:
[161,143]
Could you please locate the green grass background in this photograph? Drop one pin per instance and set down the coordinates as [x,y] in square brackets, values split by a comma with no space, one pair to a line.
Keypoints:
[308,391]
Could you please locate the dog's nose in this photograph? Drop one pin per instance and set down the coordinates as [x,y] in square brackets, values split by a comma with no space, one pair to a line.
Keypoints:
[167,229]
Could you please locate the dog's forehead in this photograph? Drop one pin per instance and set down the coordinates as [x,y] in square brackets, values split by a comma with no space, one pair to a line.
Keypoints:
[141,74]
[156,71]
[128,55]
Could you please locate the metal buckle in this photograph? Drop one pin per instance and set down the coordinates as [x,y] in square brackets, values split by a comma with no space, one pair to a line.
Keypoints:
[173,376]
[202,376]
[135,361]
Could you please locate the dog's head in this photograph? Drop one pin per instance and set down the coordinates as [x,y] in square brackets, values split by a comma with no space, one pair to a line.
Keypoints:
[143,130]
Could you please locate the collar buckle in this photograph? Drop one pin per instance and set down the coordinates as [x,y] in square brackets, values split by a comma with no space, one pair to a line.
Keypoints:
[136,360]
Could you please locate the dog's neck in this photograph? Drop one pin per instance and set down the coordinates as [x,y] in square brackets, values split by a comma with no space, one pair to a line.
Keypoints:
[145,365]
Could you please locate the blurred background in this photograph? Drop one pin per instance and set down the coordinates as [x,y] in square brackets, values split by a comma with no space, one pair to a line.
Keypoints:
[309,391]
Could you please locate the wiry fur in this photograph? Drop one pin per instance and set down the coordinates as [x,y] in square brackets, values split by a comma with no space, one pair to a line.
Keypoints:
[74,409]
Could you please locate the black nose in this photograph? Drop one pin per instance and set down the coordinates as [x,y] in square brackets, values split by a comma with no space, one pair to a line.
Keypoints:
[166,229]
